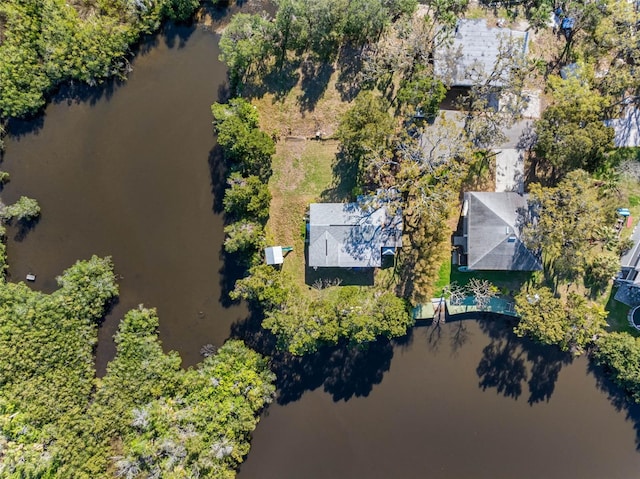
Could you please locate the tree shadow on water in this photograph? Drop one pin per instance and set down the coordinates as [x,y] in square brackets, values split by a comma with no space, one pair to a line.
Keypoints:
[618,398]
[502,367]
[218,171]
[177,35]
[233,266]
[24,227]
[508,362]
[78,92]
[18,128]
[545,363]
[344,371]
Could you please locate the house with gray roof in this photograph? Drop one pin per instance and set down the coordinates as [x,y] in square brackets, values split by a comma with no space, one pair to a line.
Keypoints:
[626,129]
[474,51]
[352,235]
[491,232]
[628,279]
[630,262]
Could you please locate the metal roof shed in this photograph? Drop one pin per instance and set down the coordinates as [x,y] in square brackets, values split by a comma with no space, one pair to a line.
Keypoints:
[274,255]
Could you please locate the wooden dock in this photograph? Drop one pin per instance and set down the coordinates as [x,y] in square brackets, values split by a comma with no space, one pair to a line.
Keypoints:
[439,308]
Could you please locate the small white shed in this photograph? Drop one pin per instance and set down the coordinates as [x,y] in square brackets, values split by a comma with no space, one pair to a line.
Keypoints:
[274,255]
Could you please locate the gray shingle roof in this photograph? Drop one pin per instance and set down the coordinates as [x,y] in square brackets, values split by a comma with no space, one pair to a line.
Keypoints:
[347,235]
[493,233]
[631,259]
[626,129]
[474,46]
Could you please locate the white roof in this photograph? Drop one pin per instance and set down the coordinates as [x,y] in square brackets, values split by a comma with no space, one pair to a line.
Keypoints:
[274,255]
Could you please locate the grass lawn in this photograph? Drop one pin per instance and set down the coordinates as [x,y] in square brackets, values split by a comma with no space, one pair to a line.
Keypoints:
[509,282]
[618,312]
[296,103]
[444,277]
[302,171]
[311,102]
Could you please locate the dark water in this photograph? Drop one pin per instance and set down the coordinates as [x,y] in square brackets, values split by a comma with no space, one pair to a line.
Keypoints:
[126,172]
[130,171]
[468,400]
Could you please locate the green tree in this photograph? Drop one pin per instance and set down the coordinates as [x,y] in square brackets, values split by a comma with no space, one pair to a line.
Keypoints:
[247,198]
[3,254]
[358,315]
[447,12]
[421,94]
[567,221]
[586,320]
[46,376]
[571,132]
[542,316]
[619,353]
[601,268]
[149,416]
[180,10]
[570,324]
[312,26]
[25,209]
[365,132]
[244,144]
[265,286]
[244,237]
[45,42]
[245,44]
[146,416]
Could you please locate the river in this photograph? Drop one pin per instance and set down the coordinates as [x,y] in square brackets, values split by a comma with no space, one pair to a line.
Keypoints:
[463,400]
[127,171]
[131,171]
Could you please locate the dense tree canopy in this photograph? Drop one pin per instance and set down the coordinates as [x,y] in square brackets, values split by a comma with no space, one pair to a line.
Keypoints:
[321,27]
[567,220]
[571,133]
[44,42]
[248,148]
[620,355]
[572,323]
[244,237]
[25,209]
[46,375]
[247,197]
[365,133]
[146,417]
[303,324]
[245,43]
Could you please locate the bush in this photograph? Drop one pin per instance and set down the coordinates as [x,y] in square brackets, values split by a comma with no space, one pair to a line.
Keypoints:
[248,148]
[244,236]
[25,209]
[247,198]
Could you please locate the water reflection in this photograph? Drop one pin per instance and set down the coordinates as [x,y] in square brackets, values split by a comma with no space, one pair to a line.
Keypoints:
[502,367]
[619,399]
[343,371]
[464,399]
[507,362]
